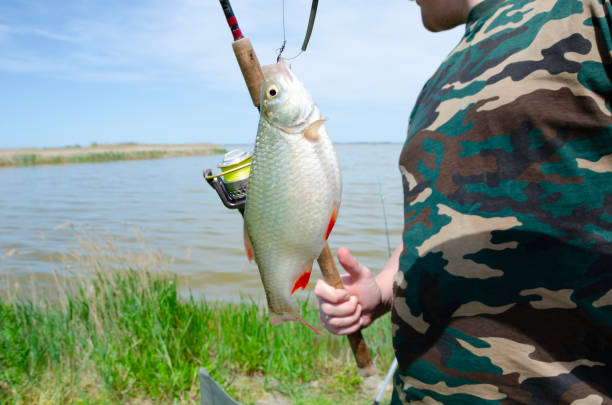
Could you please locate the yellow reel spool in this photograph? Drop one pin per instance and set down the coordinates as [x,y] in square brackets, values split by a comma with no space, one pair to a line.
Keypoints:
[237,171]
[236,166]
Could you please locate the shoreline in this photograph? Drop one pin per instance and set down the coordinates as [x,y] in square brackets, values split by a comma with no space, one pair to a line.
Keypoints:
[19,157]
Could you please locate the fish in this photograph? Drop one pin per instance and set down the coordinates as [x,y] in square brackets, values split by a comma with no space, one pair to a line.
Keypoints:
[294,190]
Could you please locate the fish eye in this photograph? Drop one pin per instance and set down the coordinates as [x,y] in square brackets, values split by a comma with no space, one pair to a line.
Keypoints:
[272,91]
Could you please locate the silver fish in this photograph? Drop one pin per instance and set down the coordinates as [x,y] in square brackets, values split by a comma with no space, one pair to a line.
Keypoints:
[294,190]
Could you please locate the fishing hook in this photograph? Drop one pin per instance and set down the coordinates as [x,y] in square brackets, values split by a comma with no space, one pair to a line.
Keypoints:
[311,20]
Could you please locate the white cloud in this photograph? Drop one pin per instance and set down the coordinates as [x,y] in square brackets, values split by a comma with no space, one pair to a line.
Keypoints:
[163,41]
[359,52]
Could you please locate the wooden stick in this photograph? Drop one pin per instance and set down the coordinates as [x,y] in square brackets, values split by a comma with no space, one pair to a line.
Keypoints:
[365,365]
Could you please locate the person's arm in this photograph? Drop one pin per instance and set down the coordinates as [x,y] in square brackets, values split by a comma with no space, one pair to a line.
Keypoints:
[364,297]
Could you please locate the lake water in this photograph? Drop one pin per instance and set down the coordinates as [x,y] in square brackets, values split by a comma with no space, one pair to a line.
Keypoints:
[57,219]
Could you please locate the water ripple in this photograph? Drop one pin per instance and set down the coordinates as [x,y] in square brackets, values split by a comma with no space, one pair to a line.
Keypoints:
[138,208]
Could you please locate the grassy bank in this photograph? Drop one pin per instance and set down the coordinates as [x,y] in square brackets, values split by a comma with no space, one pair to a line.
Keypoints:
[130,337]
[101,153]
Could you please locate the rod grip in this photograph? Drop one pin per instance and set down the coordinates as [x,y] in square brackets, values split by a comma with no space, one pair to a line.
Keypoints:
[249,66]
[365,365]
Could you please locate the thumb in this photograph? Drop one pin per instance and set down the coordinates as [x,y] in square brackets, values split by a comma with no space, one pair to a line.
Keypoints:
[352,266]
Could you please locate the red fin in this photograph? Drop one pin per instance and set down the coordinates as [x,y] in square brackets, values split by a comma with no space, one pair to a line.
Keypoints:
[275,319]
[310,326]
[332,221]
[302,281]
[247,245]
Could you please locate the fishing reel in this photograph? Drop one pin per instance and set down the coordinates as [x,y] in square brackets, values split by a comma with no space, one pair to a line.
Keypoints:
[231,184]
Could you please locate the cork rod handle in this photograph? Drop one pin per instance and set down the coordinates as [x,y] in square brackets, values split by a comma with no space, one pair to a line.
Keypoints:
[249,66]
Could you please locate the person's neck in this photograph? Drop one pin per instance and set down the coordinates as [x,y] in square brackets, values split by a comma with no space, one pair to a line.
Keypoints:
[469,5]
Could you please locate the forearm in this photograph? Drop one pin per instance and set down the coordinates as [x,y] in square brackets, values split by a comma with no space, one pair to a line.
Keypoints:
[384,279]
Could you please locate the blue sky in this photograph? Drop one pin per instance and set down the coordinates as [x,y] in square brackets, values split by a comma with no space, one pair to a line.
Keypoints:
[84,71]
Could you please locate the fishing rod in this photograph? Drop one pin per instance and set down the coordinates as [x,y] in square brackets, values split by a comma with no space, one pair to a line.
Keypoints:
[231,183]
[245,55]
[311,20]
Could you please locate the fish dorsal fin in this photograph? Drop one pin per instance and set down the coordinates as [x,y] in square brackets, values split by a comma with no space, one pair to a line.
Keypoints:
[248,246]
[312,131]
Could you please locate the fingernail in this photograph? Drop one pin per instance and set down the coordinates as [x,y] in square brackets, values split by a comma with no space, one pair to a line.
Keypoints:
[347,296]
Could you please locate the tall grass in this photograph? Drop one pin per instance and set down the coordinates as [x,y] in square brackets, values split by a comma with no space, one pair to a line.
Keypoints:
[130,336]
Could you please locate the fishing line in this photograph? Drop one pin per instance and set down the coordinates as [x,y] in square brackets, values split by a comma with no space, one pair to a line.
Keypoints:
[299,53]
[282,47]
[382,200]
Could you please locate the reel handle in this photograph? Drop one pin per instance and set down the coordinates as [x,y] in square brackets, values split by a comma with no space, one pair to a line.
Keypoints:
[218,186]
[365,365]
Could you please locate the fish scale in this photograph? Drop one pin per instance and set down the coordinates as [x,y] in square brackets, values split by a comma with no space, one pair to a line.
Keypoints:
[294,189]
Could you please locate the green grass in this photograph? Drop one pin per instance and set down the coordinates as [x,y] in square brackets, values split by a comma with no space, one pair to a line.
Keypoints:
[131,337]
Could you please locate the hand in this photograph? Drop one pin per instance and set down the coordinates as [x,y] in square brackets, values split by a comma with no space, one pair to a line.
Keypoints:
[344,311]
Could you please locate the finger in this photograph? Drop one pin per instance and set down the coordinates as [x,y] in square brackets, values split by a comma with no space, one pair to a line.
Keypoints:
[346,279]
[345,331]
[344,309]
[342,322]
[330,294]
[350,264]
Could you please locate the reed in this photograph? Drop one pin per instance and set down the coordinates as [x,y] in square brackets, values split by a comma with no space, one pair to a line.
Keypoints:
[100,153]
[130,336]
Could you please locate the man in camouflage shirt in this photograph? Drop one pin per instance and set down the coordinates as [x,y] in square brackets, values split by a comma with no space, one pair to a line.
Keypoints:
[504,288]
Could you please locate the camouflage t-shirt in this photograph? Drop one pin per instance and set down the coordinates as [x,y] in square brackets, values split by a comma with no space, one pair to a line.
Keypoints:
[504,293]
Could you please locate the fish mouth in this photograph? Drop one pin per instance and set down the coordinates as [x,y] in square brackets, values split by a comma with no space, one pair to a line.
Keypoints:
[284,70]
